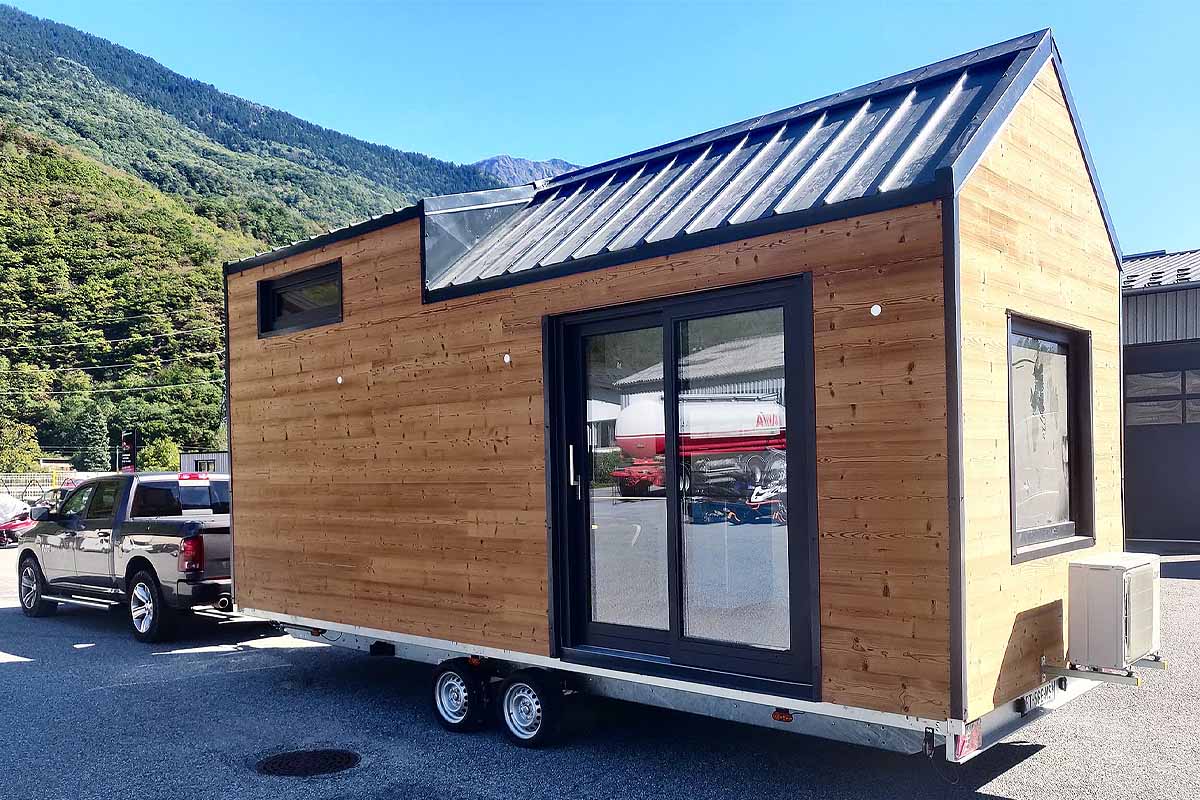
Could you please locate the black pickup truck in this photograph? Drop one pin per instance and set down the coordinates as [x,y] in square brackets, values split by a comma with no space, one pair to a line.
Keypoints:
[155,543]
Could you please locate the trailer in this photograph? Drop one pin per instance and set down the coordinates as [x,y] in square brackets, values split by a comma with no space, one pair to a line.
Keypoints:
[867,353]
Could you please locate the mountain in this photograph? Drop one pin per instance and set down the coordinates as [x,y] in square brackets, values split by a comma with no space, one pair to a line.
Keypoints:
[511,171]
[248,167]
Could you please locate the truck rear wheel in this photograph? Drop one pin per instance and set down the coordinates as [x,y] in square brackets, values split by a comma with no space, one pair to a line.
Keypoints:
[150,617]
[31,589]
[530,707]
[459,696]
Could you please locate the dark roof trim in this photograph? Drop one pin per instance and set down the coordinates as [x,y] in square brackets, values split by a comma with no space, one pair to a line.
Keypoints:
[1087,158]
[1147,254]
[888,201]
[995,110]
[325,239]
[1162,288]
[778,117]
[995,113]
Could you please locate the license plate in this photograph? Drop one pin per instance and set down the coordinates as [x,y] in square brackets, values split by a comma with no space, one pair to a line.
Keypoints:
[1036,699]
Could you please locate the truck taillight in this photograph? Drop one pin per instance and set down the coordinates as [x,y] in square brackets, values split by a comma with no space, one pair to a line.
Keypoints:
[191,554]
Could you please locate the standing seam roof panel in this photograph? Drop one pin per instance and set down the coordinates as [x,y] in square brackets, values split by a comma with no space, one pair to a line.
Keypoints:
[881,138]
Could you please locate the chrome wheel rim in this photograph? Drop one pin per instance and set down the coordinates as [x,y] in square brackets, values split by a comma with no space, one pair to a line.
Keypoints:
[29,587]
[452,697]
[141,607]
[522,710]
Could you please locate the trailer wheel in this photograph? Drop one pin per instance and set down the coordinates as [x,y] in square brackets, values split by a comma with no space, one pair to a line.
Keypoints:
[530,707]
[459,696]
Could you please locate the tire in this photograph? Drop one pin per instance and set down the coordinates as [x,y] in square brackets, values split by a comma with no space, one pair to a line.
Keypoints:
[31,589]
[150,618]
[529,707]
[459,696]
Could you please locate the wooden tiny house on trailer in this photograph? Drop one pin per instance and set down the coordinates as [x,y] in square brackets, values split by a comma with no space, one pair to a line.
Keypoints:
[807,412]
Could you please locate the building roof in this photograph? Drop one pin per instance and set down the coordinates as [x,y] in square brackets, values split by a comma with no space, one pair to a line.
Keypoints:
[909,138]
[1148,271]
[745,356]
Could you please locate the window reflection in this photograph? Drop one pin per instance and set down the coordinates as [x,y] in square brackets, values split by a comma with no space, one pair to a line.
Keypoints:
[733,478]
[627,503]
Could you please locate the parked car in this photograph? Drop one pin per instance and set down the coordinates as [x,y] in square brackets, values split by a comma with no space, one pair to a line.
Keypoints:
[156,543]
[14,519]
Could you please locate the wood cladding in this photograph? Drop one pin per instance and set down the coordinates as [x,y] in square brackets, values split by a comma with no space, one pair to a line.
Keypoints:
[1033,241]
[411,497]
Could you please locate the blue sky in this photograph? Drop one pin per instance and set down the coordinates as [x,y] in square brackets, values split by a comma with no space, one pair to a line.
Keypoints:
[589,81]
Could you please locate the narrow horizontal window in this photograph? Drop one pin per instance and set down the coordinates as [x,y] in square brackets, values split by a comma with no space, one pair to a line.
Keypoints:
[300,300]
[1154,412]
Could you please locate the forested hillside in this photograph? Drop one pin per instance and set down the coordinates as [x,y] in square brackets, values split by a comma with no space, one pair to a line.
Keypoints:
[123,187]
[106,285]
[246,166]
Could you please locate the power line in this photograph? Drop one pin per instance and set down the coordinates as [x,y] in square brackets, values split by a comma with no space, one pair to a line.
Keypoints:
[111,341]
[120,388]
[18,323]
[113,366]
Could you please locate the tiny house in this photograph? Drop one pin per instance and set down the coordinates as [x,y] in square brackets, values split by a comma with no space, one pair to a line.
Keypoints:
[796,422]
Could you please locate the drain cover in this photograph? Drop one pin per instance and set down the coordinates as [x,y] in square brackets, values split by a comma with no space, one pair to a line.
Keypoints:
[306,763]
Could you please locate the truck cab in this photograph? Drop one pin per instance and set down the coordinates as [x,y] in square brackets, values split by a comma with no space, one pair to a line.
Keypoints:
[156,543]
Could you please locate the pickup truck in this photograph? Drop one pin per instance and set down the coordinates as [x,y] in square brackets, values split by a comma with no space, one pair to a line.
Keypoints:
[156,544]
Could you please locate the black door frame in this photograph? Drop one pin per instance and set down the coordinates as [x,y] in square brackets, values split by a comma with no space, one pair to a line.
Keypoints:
[794,673]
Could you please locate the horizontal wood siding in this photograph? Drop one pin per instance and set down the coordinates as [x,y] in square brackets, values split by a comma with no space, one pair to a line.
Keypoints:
[1032,241]
[411,497]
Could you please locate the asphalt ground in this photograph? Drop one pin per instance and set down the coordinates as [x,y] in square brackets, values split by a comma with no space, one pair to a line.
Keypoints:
[87,712]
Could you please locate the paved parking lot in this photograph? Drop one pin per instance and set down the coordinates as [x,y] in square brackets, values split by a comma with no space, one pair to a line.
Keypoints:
[87,712]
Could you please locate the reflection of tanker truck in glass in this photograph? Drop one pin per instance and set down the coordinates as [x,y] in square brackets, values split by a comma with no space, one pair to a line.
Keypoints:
[732,447]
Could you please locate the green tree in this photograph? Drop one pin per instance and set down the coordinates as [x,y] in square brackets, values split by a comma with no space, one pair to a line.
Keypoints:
[19,451]
[161,455]
[95,454]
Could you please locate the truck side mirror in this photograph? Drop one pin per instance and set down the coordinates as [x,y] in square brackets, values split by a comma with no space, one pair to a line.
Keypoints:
[39,513]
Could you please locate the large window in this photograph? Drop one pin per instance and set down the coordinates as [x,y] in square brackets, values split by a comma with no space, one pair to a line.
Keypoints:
[1050,438]
[301,300]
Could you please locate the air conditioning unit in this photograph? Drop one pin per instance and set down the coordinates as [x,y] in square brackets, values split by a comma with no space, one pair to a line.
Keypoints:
[1114,610]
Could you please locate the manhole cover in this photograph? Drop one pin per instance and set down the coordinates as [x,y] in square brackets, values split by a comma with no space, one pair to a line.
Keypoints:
[306,763]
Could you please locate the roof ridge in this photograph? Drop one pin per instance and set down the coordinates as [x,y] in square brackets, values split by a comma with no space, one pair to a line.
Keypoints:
[879,86]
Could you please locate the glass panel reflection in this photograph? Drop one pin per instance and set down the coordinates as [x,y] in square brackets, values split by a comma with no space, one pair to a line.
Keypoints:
[1040,450]
[627,502]
[733,476]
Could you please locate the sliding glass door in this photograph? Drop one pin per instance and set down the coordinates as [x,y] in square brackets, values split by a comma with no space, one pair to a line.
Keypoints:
[678,538]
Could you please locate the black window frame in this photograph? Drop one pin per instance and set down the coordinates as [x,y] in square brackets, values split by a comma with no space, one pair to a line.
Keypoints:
[792,673]
[1080,531]
[268,288]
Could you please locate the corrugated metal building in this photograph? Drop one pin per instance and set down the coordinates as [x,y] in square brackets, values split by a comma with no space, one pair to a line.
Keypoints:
[1162,400]
[204,462]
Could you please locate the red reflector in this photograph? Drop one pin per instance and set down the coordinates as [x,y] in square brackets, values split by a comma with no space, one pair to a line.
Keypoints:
[191,554]
[782,715]
[969,742]
[193,476]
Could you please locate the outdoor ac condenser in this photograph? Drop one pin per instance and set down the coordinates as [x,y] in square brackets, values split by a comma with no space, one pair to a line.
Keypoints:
[1113,610]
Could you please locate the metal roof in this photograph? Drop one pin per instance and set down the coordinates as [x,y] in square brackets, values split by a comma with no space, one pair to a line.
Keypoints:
[1147,271]
[886,138]
[910,138]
